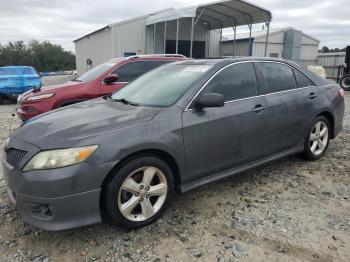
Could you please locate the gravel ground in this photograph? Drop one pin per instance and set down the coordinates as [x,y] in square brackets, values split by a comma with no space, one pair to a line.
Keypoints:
[290,210]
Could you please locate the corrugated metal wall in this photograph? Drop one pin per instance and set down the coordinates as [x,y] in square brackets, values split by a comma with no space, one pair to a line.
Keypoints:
[241,48]
[200,34]
[129,38]
[308,51]
[97,47]
[331,61]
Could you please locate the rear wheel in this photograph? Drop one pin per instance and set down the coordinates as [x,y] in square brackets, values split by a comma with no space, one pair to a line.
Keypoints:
[317,140]
[345,82]
[1,99]
[139,192]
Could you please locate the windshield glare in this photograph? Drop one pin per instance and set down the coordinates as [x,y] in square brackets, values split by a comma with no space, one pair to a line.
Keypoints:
[95,72]
[163,86]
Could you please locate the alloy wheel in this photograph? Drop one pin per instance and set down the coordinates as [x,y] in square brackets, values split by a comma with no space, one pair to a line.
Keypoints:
[319,138]
[142,194]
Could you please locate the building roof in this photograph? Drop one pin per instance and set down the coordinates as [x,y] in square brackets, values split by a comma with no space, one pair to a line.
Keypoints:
[216,15]
[262,34]
[220,14]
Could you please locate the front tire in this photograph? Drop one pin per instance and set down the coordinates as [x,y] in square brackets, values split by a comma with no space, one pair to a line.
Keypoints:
[317,140]
[139,192]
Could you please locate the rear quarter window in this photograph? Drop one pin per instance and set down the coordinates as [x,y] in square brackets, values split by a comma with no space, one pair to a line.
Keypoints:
[302,81]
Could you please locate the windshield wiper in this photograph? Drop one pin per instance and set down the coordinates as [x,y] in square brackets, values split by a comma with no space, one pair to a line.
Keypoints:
[77,80]
[125,101]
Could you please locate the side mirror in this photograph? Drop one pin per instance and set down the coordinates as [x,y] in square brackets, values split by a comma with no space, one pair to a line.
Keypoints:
[111,78]
[210,100]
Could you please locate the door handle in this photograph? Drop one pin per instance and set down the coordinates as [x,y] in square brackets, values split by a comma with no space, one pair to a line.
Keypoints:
[258,109]
[312,95]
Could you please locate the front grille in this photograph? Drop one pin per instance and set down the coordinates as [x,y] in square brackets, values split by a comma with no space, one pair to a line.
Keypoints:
[14,156]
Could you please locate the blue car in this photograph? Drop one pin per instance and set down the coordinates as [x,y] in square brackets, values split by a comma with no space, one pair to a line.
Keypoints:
[15,80]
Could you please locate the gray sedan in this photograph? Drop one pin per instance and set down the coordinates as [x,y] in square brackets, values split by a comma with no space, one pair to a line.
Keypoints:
[180,126]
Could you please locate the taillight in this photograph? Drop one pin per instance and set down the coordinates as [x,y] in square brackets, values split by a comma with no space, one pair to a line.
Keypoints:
[341,92]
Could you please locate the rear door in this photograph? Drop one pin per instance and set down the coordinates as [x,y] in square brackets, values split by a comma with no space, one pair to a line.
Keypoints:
[128,72]
[219,138]
[287,107]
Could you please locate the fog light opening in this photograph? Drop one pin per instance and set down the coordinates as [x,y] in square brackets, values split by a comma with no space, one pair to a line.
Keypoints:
[41,210]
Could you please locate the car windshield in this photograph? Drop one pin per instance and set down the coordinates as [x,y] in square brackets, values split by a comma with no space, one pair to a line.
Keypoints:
[163,86]
[95,72]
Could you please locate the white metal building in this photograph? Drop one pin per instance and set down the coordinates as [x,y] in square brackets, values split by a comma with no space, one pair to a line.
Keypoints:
[287,43]
[194,31]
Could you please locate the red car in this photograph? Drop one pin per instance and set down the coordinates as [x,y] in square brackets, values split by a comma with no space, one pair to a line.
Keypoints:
[99,81]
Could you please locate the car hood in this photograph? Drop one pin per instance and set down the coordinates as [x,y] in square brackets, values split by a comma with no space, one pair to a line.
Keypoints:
[51,89]
[79,121]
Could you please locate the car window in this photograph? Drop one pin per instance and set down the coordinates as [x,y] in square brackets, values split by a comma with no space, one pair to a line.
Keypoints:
[234,82]
[302,81]
[277,77]
[7,71]
[133,70]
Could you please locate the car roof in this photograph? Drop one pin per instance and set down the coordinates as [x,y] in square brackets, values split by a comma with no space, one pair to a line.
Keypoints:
[175,57]
[16,67]
[228,60]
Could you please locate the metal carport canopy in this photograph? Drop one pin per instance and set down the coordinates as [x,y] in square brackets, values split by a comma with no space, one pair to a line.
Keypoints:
[218,15]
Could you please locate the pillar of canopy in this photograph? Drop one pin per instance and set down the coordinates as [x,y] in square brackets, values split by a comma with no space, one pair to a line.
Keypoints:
[217,16]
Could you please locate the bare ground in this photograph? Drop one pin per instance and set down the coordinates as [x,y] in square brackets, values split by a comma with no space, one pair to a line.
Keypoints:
[290,210]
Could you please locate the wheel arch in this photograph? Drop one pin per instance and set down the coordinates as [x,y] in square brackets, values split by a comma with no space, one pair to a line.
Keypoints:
[330,118]
[165,156]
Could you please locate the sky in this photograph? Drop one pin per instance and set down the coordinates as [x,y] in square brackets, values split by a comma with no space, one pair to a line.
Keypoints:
[62,21]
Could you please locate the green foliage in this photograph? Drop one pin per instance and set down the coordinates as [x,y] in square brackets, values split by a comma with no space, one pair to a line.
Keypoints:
[325,49]
[43,56]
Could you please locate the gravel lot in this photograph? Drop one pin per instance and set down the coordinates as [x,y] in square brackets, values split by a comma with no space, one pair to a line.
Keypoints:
[290,210]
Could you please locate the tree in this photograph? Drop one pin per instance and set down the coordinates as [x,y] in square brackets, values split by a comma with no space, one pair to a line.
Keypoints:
[43,56]
[325,49]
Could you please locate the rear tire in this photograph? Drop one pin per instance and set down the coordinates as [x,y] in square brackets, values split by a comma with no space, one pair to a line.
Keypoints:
[139,192]
[345,82]
[317,139]
[1,99]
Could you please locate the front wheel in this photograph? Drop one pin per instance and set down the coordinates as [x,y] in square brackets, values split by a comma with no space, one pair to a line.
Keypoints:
[139,192]
[345,82]
[317,140]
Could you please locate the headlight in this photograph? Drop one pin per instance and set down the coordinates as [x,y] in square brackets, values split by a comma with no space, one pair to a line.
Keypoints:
[59,158]
[40,97]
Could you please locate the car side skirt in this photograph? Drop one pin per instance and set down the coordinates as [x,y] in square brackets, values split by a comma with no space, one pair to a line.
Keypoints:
[233,171]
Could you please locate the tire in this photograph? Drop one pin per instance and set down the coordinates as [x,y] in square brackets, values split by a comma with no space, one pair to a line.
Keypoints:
[1,99]
[127,197]
[345,82]
[317,139]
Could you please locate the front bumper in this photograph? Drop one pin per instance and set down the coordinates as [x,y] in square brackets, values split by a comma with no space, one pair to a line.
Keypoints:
[59,213]
[56,199]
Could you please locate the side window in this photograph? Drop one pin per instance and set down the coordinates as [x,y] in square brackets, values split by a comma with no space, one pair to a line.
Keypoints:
[277,77]
[302,81]
[133,70]
[234,82]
